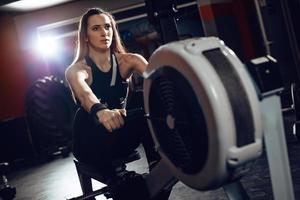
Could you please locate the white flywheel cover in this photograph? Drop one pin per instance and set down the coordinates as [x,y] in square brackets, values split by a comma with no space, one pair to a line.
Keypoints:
[224,158]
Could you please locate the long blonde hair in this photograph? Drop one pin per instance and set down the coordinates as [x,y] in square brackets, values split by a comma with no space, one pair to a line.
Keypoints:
[81,44]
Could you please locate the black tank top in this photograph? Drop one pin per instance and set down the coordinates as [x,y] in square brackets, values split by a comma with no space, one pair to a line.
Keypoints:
[109,87]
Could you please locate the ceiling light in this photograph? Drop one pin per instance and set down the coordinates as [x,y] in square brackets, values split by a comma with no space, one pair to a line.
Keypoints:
[28,5]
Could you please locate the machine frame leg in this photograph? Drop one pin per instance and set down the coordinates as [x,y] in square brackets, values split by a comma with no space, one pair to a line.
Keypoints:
[235,191]
[276,148]
[159,179]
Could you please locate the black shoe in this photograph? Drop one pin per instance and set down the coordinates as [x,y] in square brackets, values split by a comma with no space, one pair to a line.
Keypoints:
[128,185]
[164,195]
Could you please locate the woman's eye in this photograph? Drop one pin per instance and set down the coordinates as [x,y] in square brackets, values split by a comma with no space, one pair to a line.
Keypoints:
[107,26]
[95,28]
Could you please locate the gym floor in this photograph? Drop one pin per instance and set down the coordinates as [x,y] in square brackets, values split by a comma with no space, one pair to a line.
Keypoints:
[58,179]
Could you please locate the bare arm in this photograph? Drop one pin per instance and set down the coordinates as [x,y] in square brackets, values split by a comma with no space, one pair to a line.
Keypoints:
[139,63]
[77,75]
[132,62]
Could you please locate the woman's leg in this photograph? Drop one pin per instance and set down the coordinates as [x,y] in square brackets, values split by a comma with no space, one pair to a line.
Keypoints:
[134,132]
[91,142]
[138,127]
[94,145]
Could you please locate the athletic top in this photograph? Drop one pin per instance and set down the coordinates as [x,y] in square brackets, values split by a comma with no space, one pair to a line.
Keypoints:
[109,87]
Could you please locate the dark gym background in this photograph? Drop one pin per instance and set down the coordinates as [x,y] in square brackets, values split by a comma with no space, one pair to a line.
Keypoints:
[36,108]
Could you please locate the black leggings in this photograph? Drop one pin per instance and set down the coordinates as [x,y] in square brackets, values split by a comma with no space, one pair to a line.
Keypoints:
[93,144]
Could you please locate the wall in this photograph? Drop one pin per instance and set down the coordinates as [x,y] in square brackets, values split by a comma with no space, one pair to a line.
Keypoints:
[13,74]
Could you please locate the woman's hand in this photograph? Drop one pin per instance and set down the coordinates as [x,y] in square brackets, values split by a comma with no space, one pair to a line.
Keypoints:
[111,119]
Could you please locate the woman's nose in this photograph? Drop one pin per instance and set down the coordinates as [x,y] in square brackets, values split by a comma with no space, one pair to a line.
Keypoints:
[103,31]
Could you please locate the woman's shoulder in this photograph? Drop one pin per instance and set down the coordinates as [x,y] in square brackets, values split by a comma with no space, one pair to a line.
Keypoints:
[79,66]
[129,57]
[132,62]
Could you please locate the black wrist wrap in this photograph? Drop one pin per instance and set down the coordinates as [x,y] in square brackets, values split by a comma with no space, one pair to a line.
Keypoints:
[95,108]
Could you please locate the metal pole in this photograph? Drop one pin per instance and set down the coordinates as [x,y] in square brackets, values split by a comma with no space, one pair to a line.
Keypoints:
[262,28]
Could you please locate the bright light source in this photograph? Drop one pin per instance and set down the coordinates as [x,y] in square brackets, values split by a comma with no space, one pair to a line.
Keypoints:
[27,5]
[47,46]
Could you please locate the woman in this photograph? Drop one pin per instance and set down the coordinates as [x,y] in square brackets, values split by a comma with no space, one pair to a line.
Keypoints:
[98,78]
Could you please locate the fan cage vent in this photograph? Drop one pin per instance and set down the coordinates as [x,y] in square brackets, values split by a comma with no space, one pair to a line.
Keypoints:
[172,97]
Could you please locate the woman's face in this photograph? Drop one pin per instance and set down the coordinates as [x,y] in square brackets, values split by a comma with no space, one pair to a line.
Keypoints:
[99,32]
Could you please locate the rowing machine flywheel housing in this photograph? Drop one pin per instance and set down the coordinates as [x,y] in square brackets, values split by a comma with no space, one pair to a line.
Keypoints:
[203,111]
